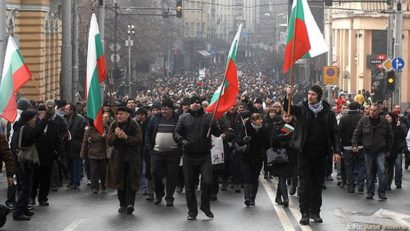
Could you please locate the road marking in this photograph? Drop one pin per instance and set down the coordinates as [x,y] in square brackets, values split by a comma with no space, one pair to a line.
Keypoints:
[396,216]
[287,225]
[74,225]
[293,209]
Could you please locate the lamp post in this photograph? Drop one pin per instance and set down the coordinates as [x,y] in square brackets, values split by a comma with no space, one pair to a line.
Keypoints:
[130,43]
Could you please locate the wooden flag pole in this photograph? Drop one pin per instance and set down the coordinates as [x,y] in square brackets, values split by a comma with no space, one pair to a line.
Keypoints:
[217,103]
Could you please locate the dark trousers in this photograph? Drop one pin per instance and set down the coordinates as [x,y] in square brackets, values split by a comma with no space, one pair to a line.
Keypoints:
[74,167]
[165,165]
[98,172]
[311,172]
[251,170]
[371,162]
[41,183]
[236,168]
[282,190]
[293,162]
[127,195]
[58,171]
[193,166]
[87,168]
[394,167]
[24,172]
[11,194]
[354,162]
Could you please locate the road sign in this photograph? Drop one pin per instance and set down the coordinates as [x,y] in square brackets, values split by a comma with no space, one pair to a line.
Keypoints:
[387,64]
[398,64]
[115,57]
[115,47]
[330,74]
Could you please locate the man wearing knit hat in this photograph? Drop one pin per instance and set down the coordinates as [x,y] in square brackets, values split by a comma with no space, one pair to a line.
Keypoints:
[315,137]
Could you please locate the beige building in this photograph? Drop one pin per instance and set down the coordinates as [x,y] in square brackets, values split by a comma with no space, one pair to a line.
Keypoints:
[36,27]
[359,33]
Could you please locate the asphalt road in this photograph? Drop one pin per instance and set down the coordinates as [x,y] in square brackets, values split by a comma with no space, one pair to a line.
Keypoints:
[80,210]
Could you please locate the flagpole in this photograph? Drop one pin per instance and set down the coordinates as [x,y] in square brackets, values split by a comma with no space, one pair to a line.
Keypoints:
[292,78]
[217,102]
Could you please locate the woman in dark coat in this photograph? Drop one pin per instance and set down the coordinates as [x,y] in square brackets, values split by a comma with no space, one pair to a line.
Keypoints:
[94,148]
[399,131]
[124,166]
[254,143]
[281,140]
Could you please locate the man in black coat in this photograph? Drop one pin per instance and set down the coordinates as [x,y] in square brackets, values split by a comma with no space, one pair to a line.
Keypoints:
[315,137]
[347,125]
[48,146]
[191,133]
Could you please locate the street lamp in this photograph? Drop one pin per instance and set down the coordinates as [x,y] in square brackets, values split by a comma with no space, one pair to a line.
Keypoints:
[130,43]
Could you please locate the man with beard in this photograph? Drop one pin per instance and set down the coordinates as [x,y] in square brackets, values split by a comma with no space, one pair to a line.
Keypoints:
[315,136]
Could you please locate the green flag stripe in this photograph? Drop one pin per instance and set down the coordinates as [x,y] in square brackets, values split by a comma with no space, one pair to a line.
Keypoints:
[215,96]
[233,55]
[6,90]
[297,12]
[16,61]
[94,96]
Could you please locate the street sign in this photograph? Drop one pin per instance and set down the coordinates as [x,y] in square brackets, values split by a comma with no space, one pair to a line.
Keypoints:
[387,64]
[330,74]
[115,57]
[115,47]
[398,64]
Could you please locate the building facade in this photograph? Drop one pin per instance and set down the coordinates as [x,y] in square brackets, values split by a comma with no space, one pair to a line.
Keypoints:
[358,35]
[36,28]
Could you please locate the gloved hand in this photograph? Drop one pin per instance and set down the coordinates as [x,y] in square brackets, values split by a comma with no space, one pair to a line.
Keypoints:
[247,139]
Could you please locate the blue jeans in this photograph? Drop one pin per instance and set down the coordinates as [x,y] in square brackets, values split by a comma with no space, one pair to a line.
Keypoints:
[371,161]
[354,161]
[74,167]
[398,169]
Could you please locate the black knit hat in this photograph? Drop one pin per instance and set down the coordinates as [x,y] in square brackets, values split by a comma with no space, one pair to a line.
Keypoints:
[23,104]
[27,115]
[258,100]
[195,99]
[317,90]
[156,105]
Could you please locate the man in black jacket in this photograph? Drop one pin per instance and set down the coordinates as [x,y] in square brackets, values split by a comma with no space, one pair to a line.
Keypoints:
[191,133]
[375,133]
[347,125]
[315,137]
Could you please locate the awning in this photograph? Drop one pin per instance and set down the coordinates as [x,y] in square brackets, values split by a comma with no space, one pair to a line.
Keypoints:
[204,53]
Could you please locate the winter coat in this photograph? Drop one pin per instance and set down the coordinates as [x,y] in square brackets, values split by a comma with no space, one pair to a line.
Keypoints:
[260,142]
[122,149]
[375,139]
[93,146]
[193,127]
[48,142]
[303,116]
[347,125]
[280,140]
[399,137]
[6,156]
[76,127]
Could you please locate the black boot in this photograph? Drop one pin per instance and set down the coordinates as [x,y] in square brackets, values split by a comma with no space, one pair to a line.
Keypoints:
[247,189]
[285,198]
[305,219]
[316,218]
[278,198]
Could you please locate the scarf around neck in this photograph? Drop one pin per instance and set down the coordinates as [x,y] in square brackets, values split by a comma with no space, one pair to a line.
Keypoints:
[316,108]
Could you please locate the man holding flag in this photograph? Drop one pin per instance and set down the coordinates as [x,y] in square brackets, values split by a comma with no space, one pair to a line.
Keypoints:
[316,133]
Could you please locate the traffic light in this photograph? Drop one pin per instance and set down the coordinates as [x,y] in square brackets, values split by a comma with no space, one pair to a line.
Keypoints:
[390,80]
[328,2]
[179,9]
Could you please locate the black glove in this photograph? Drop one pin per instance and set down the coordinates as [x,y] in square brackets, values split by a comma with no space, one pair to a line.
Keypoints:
[247,139]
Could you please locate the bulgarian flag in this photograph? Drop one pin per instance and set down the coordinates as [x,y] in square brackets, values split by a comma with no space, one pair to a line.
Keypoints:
[225,96]
[96,73]
[15,75]
[304,37]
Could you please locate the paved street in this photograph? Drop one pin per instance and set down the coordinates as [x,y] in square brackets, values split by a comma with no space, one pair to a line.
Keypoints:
[80,210]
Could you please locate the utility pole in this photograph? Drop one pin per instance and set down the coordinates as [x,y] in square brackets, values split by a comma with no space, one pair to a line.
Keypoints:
[130,43]
[398,44]
[115,37]
[2,34]
[390,24]
[101,19]
[66,77]
[75,50]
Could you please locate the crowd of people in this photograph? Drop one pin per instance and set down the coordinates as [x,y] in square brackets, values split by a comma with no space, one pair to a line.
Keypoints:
[159,143]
